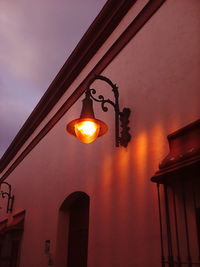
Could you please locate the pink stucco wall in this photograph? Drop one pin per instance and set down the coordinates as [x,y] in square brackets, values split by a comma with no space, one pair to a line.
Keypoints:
[158,76]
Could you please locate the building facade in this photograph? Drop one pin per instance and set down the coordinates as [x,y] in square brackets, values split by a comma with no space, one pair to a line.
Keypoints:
[71,204]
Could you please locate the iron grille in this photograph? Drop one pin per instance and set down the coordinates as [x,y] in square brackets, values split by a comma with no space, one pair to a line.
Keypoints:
[179,215]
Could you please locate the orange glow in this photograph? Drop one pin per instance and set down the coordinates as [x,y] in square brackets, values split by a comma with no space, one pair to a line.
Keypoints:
[159,144]
[123,170]
[87,130]
[141,157]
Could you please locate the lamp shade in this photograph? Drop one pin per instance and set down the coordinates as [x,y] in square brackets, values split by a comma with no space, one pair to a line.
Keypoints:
[87,128]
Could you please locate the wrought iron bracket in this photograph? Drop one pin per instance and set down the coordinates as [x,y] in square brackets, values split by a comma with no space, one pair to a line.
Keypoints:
[9,196]
[122,137]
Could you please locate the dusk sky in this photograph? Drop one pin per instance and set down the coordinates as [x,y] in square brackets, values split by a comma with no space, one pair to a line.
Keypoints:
[36,38]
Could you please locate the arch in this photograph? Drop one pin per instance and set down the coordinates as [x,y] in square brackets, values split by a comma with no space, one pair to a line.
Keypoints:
[73,224]
[66,204]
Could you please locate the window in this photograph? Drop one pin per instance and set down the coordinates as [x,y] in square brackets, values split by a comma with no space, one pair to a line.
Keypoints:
[198,223]
[10,240]
[10,248]
[178,183]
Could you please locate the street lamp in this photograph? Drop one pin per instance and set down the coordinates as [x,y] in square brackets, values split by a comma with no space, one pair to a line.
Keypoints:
[87,128]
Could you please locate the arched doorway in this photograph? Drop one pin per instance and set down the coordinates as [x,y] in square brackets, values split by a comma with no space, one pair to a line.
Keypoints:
[73,230]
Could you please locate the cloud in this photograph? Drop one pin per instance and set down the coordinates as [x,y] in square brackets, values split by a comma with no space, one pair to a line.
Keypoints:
[38,36]
[36,39]
[15,107]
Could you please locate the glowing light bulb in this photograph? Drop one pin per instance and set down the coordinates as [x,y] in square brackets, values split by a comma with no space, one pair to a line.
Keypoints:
[87,130]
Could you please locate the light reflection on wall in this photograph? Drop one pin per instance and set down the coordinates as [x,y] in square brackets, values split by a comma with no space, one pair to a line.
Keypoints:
[159,145]
[107,171]
[140,158]
[122,169]
[123,189]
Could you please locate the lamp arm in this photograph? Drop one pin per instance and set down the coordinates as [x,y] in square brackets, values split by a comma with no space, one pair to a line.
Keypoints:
[9,196]
[108,81]
[5,193]
[101,99]
[119,115]
[9,187]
